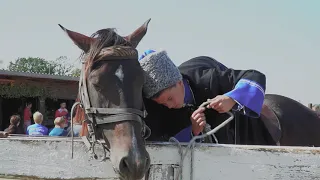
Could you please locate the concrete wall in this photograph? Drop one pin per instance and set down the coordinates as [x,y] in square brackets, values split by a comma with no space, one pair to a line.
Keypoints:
[51,158]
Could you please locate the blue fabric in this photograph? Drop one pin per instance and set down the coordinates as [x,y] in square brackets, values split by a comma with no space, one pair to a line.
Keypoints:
[58,132]
[184,135]
[145,53]
[50,129]
[37,130]
[249,96]
[188,98]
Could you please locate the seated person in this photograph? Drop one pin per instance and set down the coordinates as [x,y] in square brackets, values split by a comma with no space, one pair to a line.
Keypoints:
[14,125]
[37,129]
[58,129]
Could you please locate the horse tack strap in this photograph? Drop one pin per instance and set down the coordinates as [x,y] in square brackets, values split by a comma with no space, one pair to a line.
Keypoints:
[110,111]
[119,118]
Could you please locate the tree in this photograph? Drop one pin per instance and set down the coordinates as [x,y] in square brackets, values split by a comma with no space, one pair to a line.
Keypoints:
[60,66]
[32,65]
[76,72]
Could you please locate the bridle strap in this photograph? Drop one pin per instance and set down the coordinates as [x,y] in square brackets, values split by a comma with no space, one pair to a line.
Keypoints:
[111,111]
[84,96]
[119,118]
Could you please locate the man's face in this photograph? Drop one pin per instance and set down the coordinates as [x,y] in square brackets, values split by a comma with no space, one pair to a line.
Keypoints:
[63,124]
[63,105]
[173,97]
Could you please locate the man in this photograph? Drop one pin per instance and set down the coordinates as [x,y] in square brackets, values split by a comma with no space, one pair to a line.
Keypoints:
[27,116]
[173,94]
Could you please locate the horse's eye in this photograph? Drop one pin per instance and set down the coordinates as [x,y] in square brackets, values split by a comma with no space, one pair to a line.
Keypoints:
[96,65]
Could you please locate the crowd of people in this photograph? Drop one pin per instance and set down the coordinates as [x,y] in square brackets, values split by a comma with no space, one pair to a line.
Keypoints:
[61,123]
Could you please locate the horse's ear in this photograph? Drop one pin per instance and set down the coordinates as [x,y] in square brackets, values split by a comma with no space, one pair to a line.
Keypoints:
[135,37]
[82,41]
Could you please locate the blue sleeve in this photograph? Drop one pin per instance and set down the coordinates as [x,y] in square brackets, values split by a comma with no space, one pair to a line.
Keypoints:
[249,96]
[185,135]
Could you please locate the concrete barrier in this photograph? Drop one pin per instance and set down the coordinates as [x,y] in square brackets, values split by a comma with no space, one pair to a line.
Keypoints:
[50,158]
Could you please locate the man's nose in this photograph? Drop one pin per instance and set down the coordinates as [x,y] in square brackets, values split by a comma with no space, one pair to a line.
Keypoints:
[173,105]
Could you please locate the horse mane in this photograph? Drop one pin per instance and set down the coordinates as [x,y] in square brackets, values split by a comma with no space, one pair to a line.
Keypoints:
[103,38]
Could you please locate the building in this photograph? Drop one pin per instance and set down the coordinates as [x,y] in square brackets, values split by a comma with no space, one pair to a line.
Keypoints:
[43,90]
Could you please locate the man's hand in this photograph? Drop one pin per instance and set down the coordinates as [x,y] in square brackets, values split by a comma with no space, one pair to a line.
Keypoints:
[222,103]
[198,120]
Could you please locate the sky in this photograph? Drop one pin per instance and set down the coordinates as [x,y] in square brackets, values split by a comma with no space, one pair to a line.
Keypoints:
[279,38]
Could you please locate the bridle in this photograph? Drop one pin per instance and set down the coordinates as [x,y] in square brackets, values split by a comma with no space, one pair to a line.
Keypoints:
[109,115]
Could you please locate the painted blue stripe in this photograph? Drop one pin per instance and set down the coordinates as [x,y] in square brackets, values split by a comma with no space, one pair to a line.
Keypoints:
[145,53]
[249,95]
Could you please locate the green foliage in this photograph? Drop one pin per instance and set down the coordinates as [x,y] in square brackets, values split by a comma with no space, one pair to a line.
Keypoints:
[31,65]
[22,90]
[76,72]
[60,66]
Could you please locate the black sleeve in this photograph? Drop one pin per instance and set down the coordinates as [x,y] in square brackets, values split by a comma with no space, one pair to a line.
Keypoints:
[205,71]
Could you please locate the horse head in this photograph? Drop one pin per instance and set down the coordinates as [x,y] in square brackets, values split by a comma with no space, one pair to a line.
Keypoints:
[110,90]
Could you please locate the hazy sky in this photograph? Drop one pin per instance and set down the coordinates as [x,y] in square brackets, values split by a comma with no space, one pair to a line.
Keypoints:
[279,38]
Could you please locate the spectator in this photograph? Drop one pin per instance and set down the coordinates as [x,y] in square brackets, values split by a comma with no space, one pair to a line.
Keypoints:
[14,125]
[27,116]
[59,130]
[62,112]
[37,128]
[316,108]
[78,118]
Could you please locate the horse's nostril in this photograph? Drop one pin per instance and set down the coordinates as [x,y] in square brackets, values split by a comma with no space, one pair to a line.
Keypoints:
[124,166]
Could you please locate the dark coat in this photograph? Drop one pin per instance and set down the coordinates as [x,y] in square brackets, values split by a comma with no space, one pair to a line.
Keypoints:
[208,78]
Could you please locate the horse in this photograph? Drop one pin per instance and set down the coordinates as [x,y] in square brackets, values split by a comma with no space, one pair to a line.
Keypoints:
[289,122]
[110,89]
[283,122]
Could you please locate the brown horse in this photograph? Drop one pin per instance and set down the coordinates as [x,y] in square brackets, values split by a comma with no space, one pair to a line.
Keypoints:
[110,92]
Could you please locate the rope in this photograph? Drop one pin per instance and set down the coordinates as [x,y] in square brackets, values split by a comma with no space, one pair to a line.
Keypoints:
[72,134]
[191,144]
